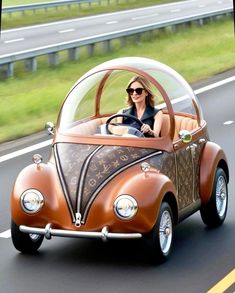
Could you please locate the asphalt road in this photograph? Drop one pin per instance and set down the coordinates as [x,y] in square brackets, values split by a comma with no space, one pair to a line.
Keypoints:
[200,258]
[40,36]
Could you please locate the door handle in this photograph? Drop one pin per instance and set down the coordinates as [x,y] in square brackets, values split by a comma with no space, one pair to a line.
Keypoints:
[192,148]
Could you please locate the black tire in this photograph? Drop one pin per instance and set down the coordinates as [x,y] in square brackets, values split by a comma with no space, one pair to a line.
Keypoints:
[23,242]
[160,239]
[214,212]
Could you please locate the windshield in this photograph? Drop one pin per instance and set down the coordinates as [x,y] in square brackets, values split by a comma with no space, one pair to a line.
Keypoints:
[102,91]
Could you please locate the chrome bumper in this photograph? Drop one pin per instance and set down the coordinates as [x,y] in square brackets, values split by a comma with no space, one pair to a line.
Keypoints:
[48,232]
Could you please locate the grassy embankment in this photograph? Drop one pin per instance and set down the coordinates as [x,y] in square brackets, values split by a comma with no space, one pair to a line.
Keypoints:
[65,12]
[28,100]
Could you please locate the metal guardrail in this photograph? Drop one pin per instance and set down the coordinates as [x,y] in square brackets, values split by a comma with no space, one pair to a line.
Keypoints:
[52,51]
[46,5]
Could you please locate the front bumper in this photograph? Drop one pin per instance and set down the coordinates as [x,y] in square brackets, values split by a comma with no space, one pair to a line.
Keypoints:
[105,235]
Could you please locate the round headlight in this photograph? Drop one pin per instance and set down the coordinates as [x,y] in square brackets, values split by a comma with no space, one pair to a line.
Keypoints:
[125,207]
[32,201]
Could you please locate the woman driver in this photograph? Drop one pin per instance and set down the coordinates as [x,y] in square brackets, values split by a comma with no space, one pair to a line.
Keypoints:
[141,105]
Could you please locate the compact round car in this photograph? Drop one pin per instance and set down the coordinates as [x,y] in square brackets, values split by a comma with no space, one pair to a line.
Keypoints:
[109,184]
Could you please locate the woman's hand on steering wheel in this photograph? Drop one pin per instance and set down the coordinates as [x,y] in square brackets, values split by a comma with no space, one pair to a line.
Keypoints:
[138,121]
[145,128]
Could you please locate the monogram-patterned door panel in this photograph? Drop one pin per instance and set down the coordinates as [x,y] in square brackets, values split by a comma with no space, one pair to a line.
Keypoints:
[188,168]
[185,177]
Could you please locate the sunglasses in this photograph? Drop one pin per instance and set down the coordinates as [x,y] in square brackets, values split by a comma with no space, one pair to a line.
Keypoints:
[138,90]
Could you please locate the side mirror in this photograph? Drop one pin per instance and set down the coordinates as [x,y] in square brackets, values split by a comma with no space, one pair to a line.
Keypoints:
[50,128]
[185,136]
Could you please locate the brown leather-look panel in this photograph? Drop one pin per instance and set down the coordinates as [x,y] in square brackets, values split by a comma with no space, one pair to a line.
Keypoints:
[212,155]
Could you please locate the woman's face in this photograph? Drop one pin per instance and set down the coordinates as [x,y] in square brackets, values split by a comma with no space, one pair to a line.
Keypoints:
[140,95]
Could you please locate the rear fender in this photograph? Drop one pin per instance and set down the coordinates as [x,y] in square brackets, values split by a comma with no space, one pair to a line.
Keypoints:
[212,157]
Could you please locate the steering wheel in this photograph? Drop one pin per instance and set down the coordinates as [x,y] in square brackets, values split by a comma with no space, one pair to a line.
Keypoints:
[131,130]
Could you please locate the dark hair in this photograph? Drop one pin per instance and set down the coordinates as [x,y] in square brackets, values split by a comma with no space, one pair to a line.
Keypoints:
[147,86]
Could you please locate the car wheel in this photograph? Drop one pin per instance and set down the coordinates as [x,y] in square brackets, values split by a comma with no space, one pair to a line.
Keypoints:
[161,237]
[214,212]
[26,243]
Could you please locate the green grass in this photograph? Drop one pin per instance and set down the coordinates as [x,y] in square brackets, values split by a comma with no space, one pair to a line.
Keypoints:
[6,3]
[64,12]
[28,100]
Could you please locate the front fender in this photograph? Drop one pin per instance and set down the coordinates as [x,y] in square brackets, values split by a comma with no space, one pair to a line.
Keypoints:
[148,190]
[212,157]
[43,178]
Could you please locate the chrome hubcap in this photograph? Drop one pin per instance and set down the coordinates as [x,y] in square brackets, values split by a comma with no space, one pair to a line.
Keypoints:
[165,232]
[221,196]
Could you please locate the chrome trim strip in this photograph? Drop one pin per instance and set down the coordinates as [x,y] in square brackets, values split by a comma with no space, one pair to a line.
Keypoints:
[48,232]
[111,177]
[176,176]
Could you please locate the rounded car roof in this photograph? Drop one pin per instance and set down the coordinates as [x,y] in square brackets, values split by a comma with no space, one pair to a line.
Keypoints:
[176,95]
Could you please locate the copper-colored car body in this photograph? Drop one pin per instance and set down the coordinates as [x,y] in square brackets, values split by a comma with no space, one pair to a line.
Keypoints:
[107,186]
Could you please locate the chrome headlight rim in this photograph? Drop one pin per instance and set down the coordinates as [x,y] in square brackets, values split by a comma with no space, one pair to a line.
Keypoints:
[127,198]
[38,197]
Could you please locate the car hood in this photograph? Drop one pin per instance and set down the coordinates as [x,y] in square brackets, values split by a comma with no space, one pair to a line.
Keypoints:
[85,169]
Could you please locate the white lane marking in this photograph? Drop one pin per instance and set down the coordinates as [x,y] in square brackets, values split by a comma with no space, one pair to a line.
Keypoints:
[48,142]
[6,234]
[228,122]
[98,16]
[14,41]
[201,6]
[214,85]
[175,10]
[66,31]
[112,22]
[144,16]
[25,150]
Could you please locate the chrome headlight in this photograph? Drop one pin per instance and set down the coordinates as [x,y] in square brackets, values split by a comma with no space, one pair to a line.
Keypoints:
[125,207]
[32,201]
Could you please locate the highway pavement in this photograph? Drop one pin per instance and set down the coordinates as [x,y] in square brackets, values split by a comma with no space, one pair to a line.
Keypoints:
[201,258]
[44,35]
